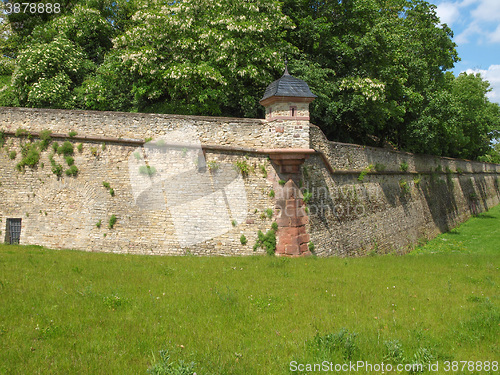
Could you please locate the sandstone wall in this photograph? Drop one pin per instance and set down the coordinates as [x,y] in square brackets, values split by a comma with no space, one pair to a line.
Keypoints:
[155,216]
[179,209]
[389,209]
[203,205]
[251,133]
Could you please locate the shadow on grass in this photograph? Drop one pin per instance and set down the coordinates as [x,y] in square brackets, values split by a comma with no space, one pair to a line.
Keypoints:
[486,216]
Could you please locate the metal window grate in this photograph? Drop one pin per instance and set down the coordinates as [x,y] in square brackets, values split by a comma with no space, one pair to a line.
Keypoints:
[13,231]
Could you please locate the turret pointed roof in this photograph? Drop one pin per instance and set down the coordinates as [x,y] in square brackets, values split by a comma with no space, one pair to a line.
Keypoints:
[288,86]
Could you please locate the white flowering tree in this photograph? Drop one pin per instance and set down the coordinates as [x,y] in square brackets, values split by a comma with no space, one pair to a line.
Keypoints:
[85,27]
[204,56]
[47,73]
[60,51]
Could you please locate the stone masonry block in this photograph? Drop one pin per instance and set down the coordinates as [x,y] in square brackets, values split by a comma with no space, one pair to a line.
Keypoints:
[292,203]
[292,249]
[283,221]
[298,221]
[286,239]
[304,248]
[280,249]
[303,238]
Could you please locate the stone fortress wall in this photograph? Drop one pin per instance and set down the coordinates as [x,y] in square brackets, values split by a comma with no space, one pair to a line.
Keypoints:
[227,182]
[376,199]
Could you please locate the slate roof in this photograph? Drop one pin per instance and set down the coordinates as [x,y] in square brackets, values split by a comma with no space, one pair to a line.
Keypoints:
[290,86]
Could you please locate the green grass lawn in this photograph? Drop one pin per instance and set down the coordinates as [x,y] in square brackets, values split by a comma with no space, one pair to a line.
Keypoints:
[69,312]
[479,235]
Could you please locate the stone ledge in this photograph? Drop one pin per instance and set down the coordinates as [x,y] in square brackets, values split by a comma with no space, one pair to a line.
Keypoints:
[130,114]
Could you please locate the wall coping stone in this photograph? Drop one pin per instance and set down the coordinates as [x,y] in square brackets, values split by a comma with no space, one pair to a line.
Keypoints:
[396,151]
[133,114]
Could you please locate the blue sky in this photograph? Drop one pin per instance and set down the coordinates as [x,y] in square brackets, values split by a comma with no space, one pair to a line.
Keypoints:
[476,28]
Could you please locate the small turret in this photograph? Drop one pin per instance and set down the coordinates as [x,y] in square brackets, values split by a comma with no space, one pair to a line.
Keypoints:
[287,98]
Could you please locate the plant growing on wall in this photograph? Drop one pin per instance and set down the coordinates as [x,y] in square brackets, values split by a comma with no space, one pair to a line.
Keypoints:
[147,170]
[403,166]
[12,154]
[263,170]
[20,132]
[69,160]
[243,167]
[71,171]
[306,196]
[57,169]
[108,187]
[267,241]
[30,156]
[243,239]
[161,143]
[112,221]
[405,187]
[45,139]
[364,172]
[311,246]
[66,149]
[213,165]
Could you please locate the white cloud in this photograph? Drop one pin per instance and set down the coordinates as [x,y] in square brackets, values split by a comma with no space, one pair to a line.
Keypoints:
[487,10]
[494,36]
[448,12]
[492,75]
[465,36]
[479,18]
[466,3]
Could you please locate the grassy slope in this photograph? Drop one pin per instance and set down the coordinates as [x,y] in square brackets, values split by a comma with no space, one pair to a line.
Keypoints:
[480,235]
[75,312]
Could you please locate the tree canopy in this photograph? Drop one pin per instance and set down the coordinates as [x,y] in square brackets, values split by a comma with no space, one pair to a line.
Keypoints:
[379,67]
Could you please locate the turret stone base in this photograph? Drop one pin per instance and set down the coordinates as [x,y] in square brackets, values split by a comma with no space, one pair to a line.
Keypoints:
[292,232]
